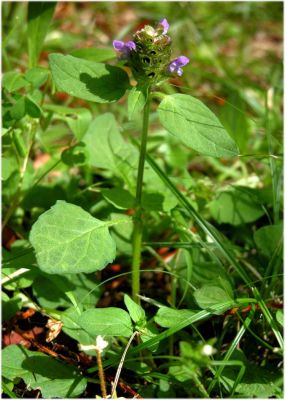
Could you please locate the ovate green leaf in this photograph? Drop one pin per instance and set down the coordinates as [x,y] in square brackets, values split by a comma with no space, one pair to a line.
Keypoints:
[109,321]
[212,294]
[88,80]
[68,240]
[196,126]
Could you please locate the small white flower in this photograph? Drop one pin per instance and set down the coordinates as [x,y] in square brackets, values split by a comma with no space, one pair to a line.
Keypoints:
[101,344]
[208,350]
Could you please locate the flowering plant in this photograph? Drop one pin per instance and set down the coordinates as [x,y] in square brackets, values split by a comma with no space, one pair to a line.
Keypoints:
[191,229]
[149,54]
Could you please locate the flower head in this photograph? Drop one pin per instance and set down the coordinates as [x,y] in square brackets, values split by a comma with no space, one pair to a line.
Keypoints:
[175,65]
[149,54]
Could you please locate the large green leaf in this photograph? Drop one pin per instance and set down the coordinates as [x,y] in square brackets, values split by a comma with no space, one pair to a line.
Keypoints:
[88,80]
[53,378]
[109,321]
[196,126]
[68,240]
[39,17]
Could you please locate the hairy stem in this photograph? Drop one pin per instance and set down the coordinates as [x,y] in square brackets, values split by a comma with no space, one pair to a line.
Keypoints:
[138,223]
[101,374]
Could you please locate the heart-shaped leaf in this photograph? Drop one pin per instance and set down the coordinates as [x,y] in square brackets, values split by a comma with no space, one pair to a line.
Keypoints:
[68,240]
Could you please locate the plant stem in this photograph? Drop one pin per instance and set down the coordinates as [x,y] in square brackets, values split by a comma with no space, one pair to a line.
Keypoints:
[138,224]
[101,375]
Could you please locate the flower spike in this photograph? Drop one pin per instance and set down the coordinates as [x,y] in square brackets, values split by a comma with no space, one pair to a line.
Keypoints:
[149,54]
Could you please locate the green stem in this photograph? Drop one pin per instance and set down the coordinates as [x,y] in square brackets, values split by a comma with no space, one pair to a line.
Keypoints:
[138,224]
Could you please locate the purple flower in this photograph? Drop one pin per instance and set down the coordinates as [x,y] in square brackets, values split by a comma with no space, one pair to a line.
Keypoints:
[175,65]
[124,48]
[164,23]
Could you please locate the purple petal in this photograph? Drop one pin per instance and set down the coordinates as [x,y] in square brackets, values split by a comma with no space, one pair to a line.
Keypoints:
[118,45]
[165,25]
[130,45]
[181,61]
